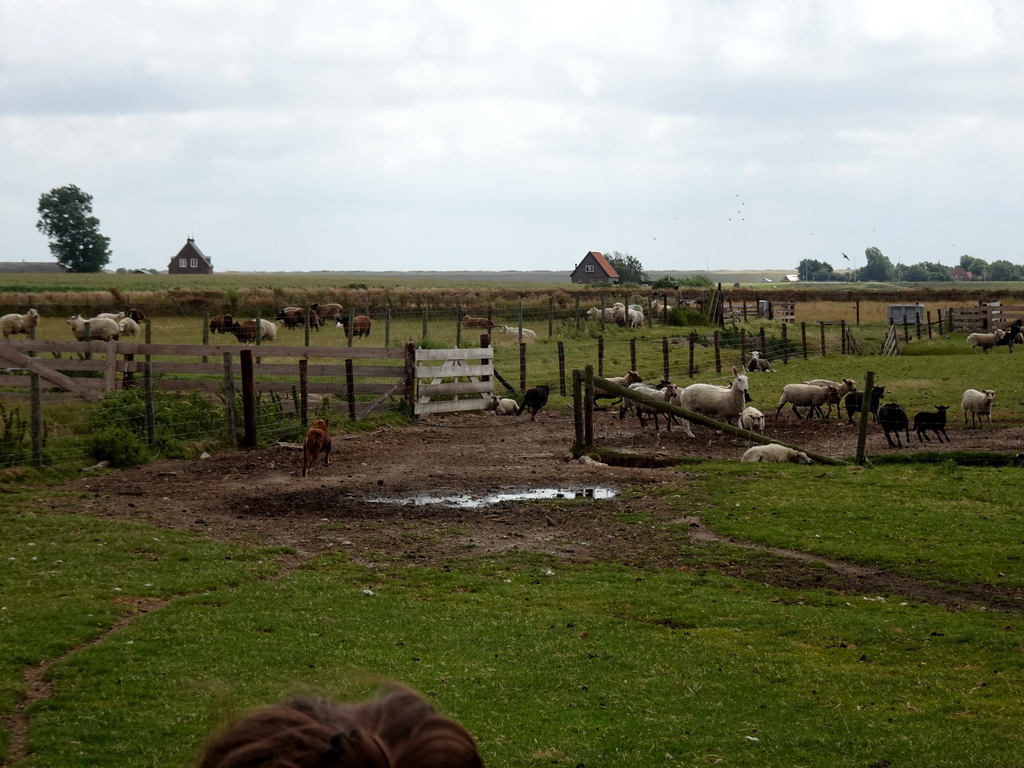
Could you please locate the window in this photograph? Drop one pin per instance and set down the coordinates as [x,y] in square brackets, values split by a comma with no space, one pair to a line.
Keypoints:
[181,263]
[193,262]
[588,268]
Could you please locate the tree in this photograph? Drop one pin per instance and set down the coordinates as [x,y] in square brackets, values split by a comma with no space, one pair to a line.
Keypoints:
[977,267]
[927,272]
[629,267]
[816,271]
[1003,270]
[878,268]
[75,239]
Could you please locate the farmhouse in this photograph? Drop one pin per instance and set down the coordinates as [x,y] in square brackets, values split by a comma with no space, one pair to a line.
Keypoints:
[594,269]
[190,261]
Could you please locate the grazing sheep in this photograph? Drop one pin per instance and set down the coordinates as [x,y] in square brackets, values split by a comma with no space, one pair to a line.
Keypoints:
[810,395]
[513,331]
[325,312]
[752,420]
[778,454]
[631,377]
[222,324]
[502,406]
[360,326]
[759,364]
[844,387]
[985,340]
[137,315]
[721,403]
[979,403]
[468,321]
[936,422]
[855,402]
[296,318]
[128,327]
[892,418]
[96,329]
[15,323]
[665,392]
[636,318]
[534,400]
[246,332]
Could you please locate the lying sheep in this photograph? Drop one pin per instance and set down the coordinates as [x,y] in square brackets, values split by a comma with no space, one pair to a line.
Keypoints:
[96,329]
[808,395]
[15,323]
[844,388]
[115,316]
[892,418]
[752,420]
[508,330]
[759,364]
[128,327]
[502,406]
[468,321]
[721,403]
[985,340]
[979,403]
[776,453]
[936,422]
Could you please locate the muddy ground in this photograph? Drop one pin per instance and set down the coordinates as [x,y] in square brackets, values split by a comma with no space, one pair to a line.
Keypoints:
[376,499]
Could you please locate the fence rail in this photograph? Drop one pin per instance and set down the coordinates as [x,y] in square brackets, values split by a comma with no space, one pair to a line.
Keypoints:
[983,318]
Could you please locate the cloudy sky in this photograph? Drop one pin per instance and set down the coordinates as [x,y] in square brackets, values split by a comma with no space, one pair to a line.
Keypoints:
[453,135]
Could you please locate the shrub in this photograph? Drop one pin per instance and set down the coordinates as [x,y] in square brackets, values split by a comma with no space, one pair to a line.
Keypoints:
[119,446]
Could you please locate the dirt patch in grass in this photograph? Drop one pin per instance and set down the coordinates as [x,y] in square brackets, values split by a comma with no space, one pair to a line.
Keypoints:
[382,499]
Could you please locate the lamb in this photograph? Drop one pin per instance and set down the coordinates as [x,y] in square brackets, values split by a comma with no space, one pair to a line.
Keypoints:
[502,406]
[759,364]
[847,386]
[636,318]
[631,377]
[96,329]
[936,422]
[855,402]
[468,321]
[360,326]
[15,323]
[509,330]
[893,418]
[985,340]
[779,454]
[128,327]
[721,403]
[979,403]
[665,392]
[752,420]
[809,395]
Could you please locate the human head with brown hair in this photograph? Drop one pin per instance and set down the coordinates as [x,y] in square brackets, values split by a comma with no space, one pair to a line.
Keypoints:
[400,730]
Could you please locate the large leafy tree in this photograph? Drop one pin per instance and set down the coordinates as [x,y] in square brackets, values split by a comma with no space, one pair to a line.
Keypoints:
[65,216]
[629,267]
[878,268]
[976,267]
[1002,269]
[816,271]
[927,272]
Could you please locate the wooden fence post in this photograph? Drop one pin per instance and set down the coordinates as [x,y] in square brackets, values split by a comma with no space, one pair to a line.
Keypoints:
[588,409]
[458,328]
[690,368]
[906,328]
[150,407]
[785,345]
[522,367]
[37,420]
[551,318]
[842,336]
[577,413]
[763,341]
[229,397]
[632,354]
[917,318]
[862,430]
[425,324]
[803,338]
[821,325]
[410,376]
[248,398]
[718,351]
[600,356]
[665,358]
[350,385]
[304,391]
[577,313]
[206,332]
[930,324]
[743,345]
[387,326]
[858,311]
[561,368]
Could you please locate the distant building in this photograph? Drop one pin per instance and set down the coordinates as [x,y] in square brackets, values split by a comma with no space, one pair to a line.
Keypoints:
[594,269]
[11,267]
[959,273]
[792,278]
[190,261]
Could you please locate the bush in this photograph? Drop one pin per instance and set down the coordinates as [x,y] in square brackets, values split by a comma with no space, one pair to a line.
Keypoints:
[119,446]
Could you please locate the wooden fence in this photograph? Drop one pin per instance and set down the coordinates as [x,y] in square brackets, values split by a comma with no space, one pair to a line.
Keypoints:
[983,318]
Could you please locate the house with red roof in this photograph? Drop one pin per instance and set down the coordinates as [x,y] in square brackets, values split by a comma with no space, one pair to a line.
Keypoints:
[594,269]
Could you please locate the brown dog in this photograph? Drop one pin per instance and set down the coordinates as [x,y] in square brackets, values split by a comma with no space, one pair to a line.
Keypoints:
[318,439]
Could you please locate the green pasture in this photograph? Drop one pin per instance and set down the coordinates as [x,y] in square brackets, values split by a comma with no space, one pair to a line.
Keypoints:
[547,662]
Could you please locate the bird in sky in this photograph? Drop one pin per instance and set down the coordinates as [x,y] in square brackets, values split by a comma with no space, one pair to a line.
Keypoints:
[845,256]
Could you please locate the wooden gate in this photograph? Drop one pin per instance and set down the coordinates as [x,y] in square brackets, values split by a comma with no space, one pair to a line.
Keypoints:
[448,373]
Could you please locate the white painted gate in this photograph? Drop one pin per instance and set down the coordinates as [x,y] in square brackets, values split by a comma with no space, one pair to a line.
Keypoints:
[466,375]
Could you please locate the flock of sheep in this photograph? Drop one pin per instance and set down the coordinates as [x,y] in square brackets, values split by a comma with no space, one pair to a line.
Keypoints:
[103,327]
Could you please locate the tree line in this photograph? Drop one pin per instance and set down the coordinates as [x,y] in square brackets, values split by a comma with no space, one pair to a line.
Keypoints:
[878,268]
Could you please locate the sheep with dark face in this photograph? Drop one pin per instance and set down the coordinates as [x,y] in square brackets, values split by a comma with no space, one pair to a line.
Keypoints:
[855,403]
[927,421]
[893,419]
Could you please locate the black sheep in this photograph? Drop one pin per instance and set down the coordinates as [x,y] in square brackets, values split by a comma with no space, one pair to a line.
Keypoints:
[855,402]
[936,422]
[892,418]
[1014,335]
[534,400]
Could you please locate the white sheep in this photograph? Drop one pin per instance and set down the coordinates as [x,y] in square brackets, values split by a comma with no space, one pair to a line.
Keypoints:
[115,316]
[809,395]
[128,327]
[721,403]
[752,420]
[502,406]
[985,340]
[776,453]
[15,323]
[510,330]
[96,329]
[619,312]
[657,307]
[631,377]
[979,403]
[665,393]
[844,388]
[606,315]
[636,318]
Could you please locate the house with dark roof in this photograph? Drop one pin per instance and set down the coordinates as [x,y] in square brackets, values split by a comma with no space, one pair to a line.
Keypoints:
[190,261]
[594,269]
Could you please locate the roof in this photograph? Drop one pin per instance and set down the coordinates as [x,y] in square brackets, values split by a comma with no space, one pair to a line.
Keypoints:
[31,266]
[603,263]
[190,249]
